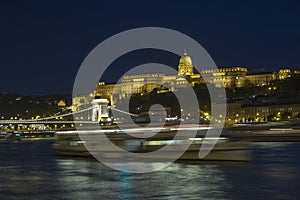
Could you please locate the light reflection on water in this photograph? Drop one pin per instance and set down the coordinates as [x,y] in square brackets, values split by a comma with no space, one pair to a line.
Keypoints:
[29,170]
[174,182]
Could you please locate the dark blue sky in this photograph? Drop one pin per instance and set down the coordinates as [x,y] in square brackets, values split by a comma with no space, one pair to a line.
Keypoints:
[44,42]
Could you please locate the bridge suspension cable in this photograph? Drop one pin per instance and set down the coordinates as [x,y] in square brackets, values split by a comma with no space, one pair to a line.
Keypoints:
[63,115]
[121,111]
[55,116]
[51,117]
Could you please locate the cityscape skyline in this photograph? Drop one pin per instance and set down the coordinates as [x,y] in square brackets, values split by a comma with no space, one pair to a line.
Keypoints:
[44,44]
[150,99]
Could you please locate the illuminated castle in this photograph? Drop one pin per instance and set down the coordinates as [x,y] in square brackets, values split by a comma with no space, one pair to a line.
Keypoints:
[228,77]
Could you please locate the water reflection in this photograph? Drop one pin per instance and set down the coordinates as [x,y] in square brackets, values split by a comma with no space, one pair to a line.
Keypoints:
[31,171]
[177,181]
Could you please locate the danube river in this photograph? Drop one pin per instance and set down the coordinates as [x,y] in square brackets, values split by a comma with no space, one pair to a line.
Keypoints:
[30,170]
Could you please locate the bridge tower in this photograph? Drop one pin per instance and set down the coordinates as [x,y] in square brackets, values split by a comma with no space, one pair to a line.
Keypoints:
[100,109]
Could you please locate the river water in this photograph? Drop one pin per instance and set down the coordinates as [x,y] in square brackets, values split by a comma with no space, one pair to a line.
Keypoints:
[30,170]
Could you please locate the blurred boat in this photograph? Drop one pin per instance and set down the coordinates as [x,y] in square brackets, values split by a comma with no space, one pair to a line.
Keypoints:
[74,144]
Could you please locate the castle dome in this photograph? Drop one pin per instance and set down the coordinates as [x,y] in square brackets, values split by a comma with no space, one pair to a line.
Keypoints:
[185,60]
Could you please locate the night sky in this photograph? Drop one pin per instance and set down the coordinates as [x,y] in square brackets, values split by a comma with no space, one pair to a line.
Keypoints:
[43,43]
